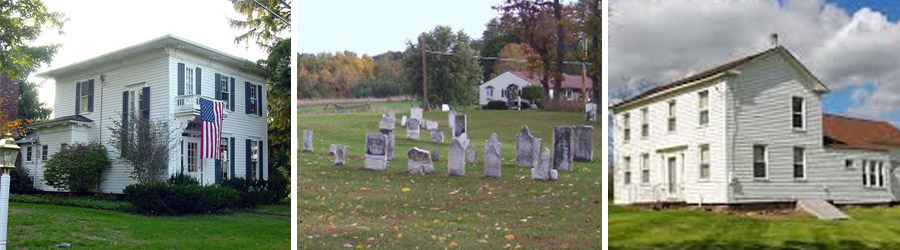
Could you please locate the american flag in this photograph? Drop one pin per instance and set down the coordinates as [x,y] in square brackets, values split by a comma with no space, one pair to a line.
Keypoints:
[211,128]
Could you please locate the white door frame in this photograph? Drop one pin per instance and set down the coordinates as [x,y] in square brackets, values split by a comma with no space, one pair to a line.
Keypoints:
[197,172]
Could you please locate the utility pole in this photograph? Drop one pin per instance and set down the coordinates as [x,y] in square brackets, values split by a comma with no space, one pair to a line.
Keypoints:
[424,75]
[584,93]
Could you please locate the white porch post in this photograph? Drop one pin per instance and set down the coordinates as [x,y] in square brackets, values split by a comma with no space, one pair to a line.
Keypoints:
[4,207]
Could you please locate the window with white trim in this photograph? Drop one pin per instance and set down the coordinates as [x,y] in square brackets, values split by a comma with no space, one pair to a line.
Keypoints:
[136,101]
[29,154]
[568,94]
[225,91]
[703,106]
[760,162]
[672,112]
[225,159]
[626,122]
[85,97]
[626,164]
[188,80]
[44,152]
[254,159]
[797,112]
[645,126]
[645,168]
[873,173]
[489,92]
[704,162]
[253,98]
[799,163]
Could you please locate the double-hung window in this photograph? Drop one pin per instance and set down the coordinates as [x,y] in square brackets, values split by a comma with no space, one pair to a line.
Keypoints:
[29,154]
[188,80]
[626,163]
[253,100]
[703,107]
[645,168]
[44,152]
[799,163]
[797,113]
[645,125]
[760,162]
[225,158]
[704,162]
[254,159]
[489,92]
[873,173]
[225,91]
[85,97]
[672,112]
[626,122]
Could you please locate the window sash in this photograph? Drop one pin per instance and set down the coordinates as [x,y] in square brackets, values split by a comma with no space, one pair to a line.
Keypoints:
[645,168]
[797,110]
[44,152]
[225,92]
[759,162]
[627,164]
[799,163]
[29,153]
[188,81]
[704,162]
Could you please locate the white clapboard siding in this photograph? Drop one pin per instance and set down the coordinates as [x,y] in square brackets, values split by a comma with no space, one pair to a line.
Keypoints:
[500,83]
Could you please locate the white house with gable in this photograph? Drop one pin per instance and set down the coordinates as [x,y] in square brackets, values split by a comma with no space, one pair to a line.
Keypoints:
[160,79]
[749,131]
[496,88]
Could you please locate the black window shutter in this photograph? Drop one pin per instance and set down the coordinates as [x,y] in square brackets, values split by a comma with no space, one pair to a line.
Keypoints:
[180,78]
[259,100]
[78,98]
[145,103]
[218,86]
[124,115]
[249,162]
[91,95]
[218,171]
[247,97]
[261,157]
[197,81]
[231,100]
[231,148]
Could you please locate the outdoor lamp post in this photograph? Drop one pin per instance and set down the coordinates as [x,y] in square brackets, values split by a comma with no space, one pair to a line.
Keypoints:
[8,153]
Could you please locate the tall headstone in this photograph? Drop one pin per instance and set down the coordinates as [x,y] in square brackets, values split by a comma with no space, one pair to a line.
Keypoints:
[471,154]
[386,127]
[419,162]
[542,170]
[340,154]
[492,156]
[437,136]
[526,147]
[459,125]
[583,143]
[376,152]
[403,121]
[456,157]
[415,113]
[562,148]
[450,122]
[590,112]
[412,129]
[307,140]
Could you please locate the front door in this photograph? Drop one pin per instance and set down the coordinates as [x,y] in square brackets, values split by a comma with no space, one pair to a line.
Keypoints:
[673,174]
[191,158]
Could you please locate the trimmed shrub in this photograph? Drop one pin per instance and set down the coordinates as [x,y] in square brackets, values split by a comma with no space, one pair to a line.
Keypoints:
[533,93]
[78,167]
[496,105]
[95,201]
[172,199]
[182,179]
[20,182]
[258,192]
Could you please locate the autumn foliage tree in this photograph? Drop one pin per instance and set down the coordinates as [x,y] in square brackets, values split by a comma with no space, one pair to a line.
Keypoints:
[453,70]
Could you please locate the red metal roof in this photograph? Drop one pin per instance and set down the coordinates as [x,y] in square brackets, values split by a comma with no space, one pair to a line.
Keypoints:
[569,81]
[857,133]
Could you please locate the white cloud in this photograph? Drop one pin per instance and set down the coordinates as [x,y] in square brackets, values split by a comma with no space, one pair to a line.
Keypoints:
[659,41]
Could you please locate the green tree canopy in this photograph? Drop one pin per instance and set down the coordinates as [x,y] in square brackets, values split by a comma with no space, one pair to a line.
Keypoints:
[261,25]
[30,107]
[21,22]
[453,70]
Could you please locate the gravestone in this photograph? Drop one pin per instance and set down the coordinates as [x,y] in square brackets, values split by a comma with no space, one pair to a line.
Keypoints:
[307,140]
[403,121]
[415,113]
[431,125]
[389,148]
[412,129]
[392,116]
[435,156]
[387,123]
[437,136]
[562,148]
[459,125]
[492,156]
[419,162]
[376,152]
[331,149]
[340,154]
[450,122]
[526,147]
[471,154]
[445,107]
[456,157]
[590,112]
[542,170]
[583,143]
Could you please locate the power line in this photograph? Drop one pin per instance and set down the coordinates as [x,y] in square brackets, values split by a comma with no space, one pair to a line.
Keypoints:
[273,13]
[502,59]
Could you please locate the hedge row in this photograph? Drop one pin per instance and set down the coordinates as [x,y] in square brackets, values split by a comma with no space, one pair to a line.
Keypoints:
[182,195]
[74,201]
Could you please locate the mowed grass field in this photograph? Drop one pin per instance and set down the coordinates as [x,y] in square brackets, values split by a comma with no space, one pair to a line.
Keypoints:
[347,206]
[39,226]
[869,228]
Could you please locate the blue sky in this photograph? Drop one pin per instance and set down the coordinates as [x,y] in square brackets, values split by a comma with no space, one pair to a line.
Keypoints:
[890,8]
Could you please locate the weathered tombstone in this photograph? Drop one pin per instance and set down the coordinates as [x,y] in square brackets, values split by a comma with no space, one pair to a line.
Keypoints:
[415,113]
[307,140]
[450,122]
[387,123]
[492,156]
[332,149]
[590,112]
[459,125]
[376,152]
[435,156]
[412,129]
[437,136]
[562,148]
[389,148]
[392,116]
[431,125]
[403,121]
[542,170]
[526,147]
[340,154]
[419,162]
[583,143]
[456,157]
[471,154]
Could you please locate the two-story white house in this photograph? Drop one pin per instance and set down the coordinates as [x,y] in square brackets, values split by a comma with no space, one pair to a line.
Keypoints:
[749,131]
[496,89]
[160,79]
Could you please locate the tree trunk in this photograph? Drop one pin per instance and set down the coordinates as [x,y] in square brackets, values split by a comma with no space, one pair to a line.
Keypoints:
[560,46]
[596,45]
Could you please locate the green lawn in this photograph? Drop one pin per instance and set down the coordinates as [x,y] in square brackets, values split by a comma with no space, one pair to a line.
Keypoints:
[869,228]
[347,205]
[43,226]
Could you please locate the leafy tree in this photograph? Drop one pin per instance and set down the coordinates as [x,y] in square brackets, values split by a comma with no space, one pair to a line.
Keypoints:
[21,22]
[278,75]
[590,24]
[453,75]
[261,25]
[30,107]
[379,88]
[493,40]
[77,168]
[519,52]
[337,75]
[144,144]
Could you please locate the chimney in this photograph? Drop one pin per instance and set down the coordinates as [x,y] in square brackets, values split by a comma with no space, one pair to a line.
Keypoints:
[9,98]
[773,38]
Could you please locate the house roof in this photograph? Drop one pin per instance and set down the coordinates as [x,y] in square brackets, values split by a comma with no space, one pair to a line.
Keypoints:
[28,139]
[72,118]
[154,44]
[857,133]
[569,81]
[714,71]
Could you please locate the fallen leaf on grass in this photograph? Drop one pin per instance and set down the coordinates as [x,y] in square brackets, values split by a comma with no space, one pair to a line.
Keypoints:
[363,189]
[510,237]
[405,189]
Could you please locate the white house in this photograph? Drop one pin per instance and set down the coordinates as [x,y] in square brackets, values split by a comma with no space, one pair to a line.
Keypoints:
[496,88]
[749,131]
[161,79]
